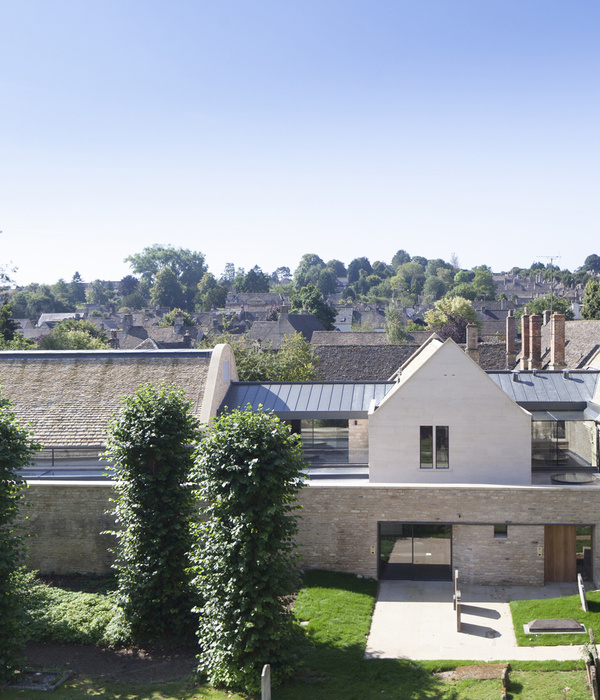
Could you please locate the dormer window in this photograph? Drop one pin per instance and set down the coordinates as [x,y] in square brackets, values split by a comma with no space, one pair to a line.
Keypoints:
[435,446]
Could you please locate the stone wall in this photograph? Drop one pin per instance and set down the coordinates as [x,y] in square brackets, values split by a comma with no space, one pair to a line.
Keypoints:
[338,525]
[358,441]
[66,520]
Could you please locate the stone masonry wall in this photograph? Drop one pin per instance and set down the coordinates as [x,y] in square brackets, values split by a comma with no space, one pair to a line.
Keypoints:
[66,521]
[338,525]
[358,440]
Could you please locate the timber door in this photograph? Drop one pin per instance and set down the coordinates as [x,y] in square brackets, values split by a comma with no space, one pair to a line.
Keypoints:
[560,553]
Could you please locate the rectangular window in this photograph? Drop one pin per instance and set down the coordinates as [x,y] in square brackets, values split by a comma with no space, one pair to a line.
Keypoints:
[500,532]
[439,436]
[426,447]
[441,447]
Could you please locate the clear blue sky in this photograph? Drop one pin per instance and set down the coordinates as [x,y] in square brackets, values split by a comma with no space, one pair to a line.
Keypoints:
[256,131]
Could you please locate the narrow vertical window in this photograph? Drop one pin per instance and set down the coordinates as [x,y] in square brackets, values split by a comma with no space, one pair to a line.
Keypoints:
[435,450]
[441,447]
[426,447]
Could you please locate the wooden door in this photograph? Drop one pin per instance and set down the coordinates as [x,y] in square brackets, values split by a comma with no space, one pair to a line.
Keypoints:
[560,562]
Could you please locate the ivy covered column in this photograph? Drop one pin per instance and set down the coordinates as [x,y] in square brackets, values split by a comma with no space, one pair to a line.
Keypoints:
[249,470]
[151,444]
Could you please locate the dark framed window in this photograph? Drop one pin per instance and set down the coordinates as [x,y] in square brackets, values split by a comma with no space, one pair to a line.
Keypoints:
[438,436]
[500,532]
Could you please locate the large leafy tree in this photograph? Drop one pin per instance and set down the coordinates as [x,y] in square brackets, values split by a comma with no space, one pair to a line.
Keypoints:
[254,281]
[248,473]
[293,362]
[75,334]
[450,318]
[547,303]
[591,300]
[310,300]
[167,290]
[150,445]
[188,267]
[16,449]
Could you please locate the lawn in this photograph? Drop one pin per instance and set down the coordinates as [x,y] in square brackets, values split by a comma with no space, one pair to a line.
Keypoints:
[525,611]
[335,611]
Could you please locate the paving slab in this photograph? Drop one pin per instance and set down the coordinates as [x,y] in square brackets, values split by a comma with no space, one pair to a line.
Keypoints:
[416,620]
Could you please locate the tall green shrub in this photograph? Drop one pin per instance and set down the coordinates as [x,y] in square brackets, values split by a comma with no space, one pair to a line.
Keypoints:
[150,444]
[248,474]
[16,449]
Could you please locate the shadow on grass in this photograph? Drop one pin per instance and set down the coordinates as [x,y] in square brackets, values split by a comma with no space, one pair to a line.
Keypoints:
[333,666]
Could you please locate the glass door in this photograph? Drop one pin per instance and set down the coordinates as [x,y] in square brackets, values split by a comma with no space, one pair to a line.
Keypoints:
[415,551]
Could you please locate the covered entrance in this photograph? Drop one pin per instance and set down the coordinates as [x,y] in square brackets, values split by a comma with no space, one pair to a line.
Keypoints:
[415,551]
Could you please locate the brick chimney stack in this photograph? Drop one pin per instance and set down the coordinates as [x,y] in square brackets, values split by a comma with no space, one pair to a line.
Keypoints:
[535,341]
[472,349]
[557,341]
[525,339]
[511,346]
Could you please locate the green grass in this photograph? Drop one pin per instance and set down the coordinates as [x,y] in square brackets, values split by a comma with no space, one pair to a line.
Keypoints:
[524,611]
[337,608]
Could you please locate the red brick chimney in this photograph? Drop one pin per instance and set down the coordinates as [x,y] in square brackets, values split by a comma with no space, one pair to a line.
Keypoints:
[557,341]
[525,339]
[535,341]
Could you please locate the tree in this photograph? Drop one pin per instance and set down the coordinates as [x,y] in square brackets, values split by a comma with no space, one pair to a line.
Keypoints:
[355,267]
[75,334]
[308,270]
[483,283]
[8,326]
[128,285]
[17,448]
[400,258]
[100,292]
[310,300]
[450,318]
[592,263]
[591,300]
[394,324]
[167,290]
[337,267]
[169,318]
[293,362]
[547,303]
[188,267]
[248,472]
[255,281]
[150,445]
[434,288]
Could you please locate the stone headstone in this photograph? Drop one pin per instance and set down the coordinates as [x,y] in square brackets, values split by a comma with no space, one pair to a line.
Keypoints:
[582,597]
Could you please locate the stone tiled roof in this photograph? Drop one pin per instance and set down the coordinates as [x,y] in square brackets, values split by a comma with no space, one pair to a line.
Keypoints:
[361,362]
[273,332]
[582,342]
[68,397]
[379,362]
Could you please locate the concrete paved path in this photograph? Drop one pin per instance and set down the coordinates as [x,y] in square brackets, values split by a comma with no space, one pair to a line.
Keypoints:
[416,620]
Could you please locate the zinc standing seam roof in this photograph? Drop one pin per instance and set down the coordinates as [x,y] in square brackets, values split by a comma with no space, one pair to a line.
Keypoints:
[307,399]
[543,388]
